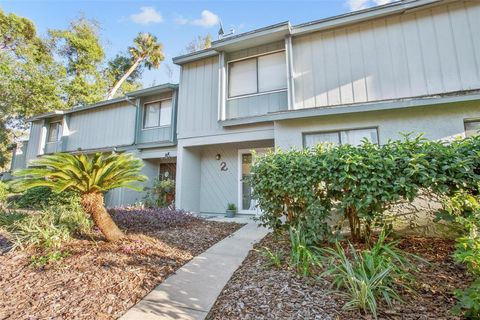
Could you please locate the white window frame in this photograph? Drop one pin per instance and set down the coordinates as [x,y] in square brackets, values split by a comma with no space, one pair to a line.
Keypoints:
[257,93]
[465,121]
[58,138]
[339,132]
[161,101]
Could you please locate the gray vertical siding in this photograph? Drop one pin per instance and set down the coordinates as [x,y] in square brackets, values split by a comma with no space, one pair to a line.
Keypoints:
[419,53]
[257,105]
[106,126]
[198,98]
[35,140]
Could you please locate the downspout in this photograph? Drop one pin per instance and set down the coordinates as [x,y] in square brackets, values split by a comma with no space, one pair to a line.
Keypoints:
[137,114]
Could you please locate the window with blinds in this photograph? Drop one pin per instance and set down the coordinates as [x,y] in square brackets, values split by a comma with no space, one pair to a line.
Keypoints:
[264,73]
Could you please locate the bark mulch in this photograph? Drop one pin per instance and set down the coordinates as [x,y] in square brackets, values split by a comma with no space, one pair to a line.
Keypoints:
[259,292]
[100,280]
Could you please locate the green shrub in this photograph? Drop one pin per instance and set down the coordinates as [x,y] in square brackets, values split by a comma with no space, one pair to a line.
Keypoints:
[368,275]
[43,197]
[160,195]
[469,301]
[357,184]
[47,229]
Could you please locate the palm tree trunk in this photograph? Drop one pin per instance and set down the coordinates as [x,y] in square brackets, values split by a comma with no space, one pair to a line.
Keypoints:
[123,78]
[92,203]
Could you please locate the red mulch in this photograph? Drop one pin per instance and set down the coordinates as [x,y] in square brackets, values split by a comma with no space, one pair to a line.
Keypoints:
[257,292]
[100,280]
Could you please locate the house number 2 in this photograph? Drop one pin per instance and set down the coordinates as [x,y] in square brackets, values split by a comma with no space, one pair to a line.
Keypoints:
[223,166]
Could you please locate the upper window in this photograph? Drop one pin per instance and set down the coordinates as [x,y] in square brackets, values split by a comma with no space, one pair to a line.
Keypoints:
[55,131]
[256,75]
[353,137]
[158,114]
[472,128]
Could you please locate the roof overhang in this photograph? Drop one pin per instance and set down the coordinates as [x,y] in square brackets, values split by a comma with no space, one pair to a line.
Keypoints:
[395,7]
[134,94]
[281,30]
[166,87]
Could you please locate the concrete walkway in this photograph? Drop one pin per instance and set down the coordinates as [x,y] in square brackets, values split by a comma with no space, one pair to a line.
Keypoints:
[191,292]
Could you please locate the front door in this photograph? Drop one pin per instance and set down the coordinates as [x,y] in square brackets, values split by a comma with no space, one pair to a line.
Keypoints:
[246,204]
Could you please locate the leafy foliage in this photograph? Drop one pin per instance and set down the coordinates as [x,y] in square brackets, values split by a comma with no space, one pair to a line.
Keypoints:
[3,193]
[469,301]
[89,176]
[64,171]
[160,194]
[43,197]
[39,261]
[274,258]
[47,229]
[368,275]
[302,256]
[147,51]
[357,184]
[81,48]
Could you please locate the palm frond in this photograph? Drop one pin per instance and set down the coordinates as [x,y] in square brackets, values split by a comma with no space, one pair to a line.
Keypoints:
[96,173]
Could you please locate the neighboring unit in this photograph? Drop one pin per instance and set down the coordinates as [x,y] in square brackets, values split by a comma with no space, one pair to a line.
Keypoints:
[408,66]
[143,122]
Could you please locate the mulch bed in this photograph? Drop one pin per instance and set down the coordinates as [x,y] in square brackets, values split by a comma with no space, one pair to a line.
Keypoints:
[100,280]
[257,292]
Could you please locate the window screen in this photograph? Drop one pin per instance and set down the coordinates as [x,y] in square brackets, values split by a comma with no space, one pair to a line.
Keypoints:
[472,128]
[152,115]
[272,73]
[255,75]
[166,113]
[54,131]
[353,137]
[242,77]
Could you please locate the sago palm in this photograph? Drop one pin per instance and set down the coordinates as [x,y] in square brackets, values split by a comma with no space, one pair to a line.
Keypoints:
[146,49]
[91,176]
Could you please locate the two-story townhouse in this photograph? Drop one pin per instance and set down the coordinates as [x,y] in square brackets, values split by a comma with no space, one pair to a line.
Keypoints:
[143,122]
[409,66]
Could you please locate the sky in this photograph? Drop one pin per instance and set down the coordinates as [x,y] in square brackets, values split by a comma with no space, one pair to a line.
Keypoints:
[175,23]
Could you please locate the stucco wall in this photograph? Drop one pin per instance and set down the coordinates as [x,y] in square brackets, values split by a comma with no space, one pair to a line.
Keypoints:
[436,122]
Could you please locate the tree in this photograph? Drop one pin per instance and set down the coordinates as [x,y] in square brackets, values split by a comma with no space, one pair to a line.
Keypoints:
[199,43]
[90,176]
[146,50]
[83,55]
[117,67]
[31,80]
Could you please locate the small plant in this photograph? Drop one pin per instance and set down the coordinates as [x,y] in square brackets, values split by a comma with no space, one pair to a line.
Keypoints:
[47,229]
[370,274]
[160,194]
[274,258]
[3,193]
[302,256]
[469,301]
[231,210]
[51,257]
